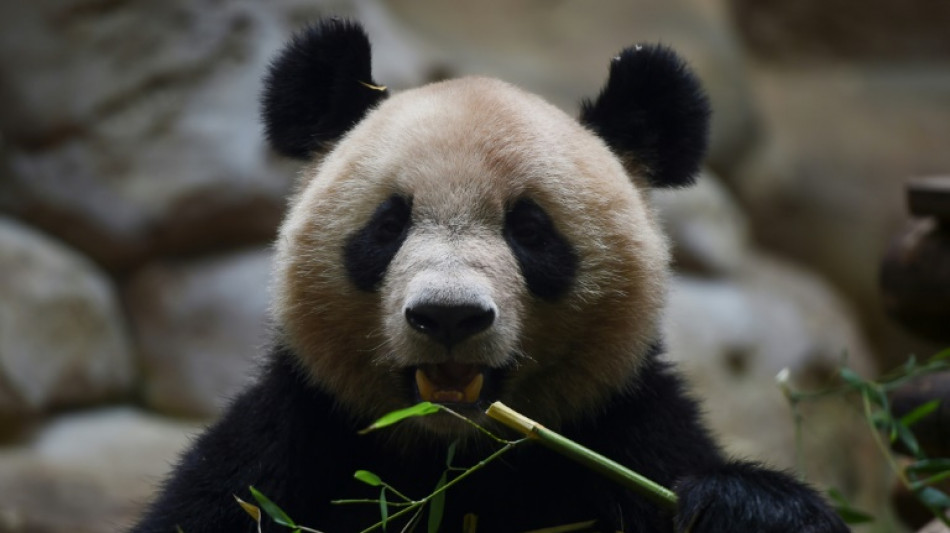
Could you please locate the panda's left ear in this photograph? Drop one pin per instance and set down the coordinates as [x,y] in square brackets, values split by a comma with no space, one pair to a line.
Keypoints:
[654,114]
[318,87]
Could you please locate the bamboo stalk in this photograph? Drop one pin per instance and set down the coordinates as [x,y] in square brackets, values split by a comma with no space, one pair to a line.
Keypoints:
[587,457]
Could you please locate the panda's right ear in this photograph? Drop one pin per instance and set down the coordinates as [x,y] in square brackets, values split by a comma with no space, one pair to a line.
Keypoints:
[318,87]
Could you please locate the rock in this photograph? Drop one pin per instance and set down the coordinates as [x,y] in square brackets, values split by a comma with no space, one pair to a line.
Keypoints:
[562,50]
[826,187]
[200,326]
[63,341]
[156,149]
[88,473]
[733,336]
[935,526]
[833,30]
[708,229]
[915,278]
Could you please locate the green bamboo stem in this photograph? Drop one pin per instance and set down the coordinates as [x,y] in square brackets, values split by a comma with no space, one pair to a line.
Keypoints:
[587,457]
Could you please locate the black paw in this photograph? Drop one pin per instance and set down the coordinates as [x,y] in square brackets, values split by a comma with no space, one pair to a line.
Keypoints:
[746,498]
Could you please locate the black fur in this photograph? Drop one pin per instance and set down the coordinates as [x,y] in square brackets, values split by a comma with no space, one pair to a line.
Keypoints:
[316,89]
[654,112]
[368,252]
[291,441]
[547,261]
[717,499]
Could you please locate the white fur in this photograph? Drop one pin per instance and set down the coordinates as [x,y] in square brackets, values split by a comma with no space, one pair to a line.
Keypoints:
[464,151]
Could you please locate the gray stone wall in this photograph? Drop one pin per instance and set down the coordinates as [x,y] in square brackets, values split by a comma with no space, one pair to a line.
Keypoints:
[138,202]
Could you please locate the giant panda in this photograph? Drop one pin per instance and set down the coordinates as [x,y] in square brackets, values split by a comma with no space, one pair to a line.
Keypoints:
[461,243]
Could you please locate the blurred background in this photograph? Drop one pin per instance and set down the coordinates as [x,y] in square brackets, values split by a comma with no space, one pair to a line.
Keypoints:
[138,203]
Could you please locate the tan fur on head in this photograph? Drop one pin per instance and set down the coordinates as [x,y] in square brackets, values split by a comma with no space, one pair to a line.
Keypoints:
[464,151]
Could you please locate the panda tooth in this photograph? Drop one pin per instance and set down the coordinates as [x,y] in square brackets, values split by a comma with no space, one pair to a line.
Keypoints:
[431,392]
[474,389]
[426,387]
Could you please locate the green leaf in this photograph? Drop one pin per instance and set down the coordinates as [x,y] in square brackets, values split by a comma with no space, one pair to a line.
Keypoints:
[929,466]
[908,439]
[910,364]
[470,523]
[250,509]
[852,378]
[850,515]
[920,412]
[368,477]
[883,421]
[878,397]
[383,507]
[450,454]
[940,356]
[270,508]
[837,497]
[844,509]
[437,506]
[933,498]
[420,409]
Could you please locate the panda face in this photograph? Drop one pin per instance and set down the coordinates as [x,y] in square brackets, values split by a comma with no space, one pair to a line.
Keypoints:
[467,242]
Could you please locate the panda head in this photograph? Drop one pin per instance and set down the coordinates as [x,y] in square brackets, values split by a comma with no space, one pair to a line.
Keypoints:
[466,241]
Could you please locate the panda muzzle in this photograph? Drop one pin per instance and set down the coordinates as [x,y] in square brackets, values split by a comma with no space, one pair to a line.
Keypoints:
[449,383]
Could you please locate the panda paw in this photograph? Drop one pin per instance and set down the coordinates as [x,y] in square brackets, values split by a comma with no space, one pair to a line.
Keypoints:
[745,498]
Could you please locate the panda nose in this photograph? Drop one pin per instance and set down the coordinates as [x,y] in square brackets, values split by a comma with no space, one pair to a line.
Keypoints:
[449,324]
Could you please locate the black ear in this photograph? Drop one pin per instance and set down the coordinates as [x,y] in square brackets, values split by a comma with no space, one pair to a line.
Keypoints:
[318,87]
[654,114]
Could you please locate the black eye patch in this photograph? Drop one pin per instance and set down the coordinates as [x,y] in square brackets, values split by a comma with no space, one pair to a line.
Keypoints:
[547,261]
[368,252]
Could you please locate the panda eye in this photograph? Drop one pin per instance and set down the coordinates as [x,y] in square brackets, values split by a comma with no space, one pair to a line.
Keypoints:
[369,250]
[527,225]
[391,226]
[548,262]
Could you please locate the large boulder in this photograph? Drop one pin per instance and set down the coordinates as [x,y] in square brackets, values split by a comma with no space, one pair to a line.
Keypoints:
[710,233]
[132,128]
[829,31]
[737,318]
[87,473]
[199,325]
[733,337]
[63,340]
[826,186]
[562,50]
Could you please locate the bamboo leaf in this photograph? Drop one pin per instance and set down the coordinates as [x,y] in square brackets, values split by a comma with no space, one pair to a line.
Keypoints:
[908,439]
[852,378]
[929,466]
[272,510]
[849,514]
[933,498]
[437,506]
[920,412]
[940,356]
[837,497]
[878,397]
[368,477]
[450,454]
[853,516]
[470,523]
[383,507]
[250,509]
[420,409]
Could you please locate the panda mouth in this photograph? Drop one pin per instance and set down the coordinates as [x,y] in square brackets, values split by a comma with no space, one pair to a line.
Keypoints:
[450,383]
